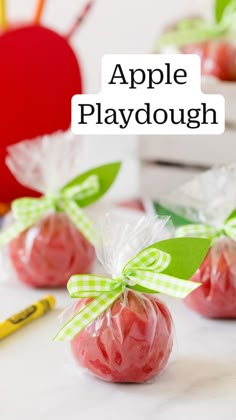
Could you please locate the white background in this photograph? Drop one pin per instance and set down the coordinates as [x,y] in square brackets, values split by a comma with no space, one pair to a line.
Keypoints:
[113,26]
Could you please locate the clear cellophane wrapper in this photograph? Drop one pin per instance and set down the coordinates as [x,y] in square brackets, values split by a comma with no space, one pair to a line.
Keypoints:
[132,340]
[52,249]
[209,199]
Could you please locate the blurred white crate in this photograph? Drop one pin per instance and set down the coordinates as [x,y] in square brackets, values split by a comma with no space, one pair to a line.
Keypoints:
[202,151]
[228,90]
[159,179]
[168,161]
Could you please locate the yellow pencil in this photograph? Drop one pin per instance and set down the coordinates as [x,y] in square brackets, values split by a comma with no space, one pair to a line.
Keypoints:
[22,318]
[3,18]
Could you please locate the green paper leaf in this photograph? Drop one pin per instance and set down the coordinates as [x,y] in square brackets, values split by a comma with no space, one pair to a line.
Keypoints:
[106,175]
[220,6]
[175,218]
[232,215]
[187,255]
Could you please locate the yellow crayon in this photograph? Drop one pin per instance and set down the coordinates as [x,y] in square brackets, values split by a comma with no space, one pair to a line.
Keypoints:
[15,322]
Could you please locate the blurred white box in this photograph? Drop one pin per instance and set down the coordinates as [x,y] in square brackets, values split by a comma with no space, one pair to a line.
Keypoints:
[168,161]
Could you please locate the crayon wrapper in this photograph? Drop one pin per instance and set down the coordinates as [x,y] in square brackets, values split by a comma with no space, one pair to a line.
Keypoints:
[25,316]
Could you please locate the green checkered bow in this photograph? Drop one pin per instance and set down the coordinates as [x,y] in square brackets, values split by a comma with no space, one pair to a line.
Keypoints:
[228,228]
[27,211]
[143,271]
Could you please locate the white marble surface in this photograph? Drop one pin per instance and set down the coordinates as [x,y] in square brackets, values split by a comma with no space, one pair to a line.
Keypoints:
[39,379]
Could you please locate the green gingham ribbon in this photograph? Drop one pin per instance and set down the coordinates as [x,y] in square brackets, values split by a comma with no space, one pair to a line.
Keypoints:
[206,231]
[190,31]
[27,211]
[144,270]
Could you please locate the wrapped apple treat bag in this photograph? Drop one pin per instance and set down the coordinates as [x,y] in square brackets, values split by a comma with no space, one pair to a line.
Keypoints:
[213,41]
[209,201]
[51,237]
[120,330]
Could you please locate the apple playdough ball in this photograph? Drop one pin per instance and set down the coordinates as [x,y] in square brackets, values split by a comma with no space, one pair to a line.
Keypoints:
[48,253]
[216,297]
[130,342]
[39,74]
[218,58]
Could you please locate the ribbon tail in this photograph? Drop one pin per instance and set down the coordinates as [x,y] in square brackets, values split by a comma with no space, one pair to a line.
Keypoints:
[87,188]
[29,210]
[26,211]
[199,231]
[87,315]
[90,285]
[80,220]
[162,283]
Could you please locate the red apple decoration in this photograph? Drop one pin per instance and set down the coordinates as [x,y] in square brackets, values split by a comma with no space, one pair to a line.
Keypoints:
[130,342]
[218,58]
[39,74]
[133,205]
[216,298]
[48,253]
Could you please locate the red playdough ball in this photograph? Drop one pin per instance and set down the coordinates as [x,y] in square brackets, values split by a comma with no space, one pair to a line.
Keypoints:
[216,297]
[39,73]
[50,252]
[130,342]
[218,58]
